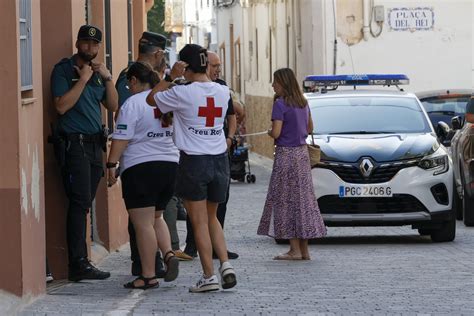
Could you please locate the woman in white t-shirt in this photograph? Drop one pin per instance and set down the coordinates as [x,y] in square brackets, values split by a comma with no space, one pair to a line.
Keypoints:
[203,173]
[148,164]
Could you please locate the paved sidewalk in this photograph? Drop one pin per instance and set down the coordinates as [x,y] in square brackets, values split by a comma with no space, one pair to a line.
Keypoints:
[357,271]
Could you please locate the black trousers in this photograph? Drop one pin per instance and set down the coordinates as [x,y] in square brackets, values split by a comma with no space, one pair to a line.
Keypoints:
[81,175]
[221,211]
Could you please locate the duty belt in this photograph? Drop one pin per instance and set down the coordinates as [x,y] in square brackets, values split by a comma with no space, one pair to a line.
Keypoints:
[78,137]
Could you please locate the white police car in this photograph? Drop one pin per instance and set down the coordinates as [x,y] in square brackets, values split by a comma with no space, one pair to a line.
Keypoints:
[381,162]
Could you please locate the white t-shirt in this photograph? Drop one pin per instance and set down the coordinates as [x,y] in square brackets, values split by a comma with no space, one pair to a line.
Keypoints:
[199,111]
[148,139]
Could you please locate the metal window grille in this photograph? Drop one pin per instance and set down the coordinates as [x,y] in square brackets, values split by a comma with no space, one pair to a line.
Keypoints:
[25,46]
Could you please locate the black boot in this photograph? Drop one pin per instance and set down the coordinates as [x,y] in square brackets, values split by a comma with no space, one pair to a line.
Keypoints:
[82,269]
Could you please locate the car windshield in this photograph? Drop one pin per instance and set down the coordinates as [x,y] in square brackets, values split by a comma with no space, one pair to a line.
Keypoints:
[367,115]
[446,105]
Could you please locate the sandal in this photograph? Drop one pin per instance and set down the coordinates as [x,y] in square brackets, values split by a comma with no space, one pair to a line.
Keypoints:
[287,256]
[172,266]
[146,285]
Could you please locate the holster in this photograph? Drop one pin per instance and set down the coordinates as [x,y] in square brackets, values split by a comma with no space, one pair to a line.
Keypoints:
[59,146]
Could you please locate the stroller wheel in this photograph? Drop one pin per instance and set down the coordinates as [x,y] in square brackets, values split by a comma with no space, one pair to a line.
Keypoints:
[253,178]
[248,178]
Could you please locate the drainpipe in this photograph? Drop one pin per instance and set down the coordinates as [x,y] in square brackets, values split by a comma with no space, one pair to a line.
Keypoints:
[298,23]
[366,28]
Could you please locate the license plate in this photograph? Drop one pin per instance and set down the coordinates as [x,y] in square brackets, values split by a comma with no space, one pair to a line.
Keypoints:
[365,191]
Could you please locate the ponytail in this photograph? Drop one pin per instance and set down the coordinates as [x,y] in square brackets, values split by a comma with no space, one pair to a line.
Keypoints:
[144,73]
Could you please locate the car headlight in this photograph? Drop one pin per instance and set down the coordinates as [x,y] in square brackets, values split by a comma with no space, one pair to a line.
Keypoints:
[439,164]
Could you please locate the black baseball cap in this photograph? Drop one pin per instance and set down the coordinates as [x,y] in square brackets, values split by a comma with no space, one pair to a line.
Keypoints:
[153,39]
[195,56]
[89,32]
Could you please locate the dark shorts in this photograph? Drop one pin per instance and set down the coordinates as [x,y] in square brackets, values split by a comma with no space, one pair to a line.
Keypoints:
[203,177]
[149,184]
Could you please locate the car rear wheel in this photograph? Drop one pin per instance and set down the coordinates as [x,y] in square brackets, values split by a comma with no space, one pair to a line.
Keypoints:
[447,232]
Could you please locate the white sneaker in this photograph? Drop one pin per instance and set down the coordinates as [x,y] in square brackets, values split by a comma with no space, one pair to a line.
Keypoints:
[228,278]
[205,285]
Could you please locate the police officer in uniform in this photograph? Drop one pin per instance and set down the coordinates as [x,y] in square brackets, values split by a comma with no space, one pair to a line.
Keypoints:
[151,49]
[79,86]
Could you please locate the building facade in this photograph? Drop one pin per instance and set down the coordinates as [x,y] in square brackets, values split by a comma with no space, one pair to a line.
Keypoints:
[32,221]
[429,40]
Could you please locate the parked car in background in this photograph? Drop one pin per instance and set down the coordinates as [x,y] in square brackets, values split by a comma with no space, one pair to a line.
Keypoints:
[442,106]
[462,153]
[381,162]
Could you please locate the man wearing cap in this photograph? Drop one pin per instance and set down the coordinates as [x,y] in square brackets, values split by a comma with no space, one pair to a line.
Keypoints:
[79,86]
[151,48]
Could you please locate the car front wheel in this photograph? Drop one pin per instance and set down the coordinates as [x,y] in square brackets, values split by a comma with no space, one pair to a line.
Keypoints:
[447,232]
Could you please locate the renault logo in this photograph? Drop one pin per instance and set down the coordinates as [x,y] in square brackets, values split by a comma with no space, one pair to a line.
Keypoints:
[366,167]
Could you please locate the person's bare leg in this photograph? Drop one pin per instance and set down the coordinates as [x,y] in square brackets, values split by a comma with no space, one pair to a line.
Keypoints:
[162,233]
[216,232]
[295,250]
[304,249]
[143,221]
[197,212]
[164,242]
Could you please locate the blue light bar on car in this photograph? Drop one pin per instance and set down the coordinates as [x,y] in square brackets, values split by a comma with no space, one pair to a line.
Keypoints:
[311,82]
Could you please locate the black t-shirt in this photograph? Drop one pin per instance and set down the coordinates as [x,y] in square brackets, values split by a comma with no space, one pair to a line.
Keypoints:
[230,108]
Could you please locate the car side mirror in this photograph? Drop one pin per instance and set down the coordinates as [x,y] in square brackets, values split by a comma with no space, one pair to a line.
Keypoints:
[456,122]
[442,129]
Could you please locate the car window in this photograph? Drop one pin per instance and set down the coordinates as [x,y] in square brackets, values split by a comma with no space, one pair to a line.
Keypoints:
[470,105]
[457,105]
[367,115]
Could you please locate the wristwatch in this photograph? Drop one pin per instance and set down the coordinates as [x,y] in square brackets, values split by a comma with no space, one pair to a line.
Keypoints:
[168,78]
[111,165]
[108,78]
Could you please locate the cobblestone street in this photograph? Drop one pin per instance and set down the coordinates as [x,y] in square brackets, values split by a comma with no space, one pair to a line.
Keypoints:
[361,271]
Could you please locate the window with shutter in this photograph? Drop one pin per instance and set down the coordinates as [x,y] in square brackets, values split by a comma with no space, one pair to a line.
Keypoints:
[26,58]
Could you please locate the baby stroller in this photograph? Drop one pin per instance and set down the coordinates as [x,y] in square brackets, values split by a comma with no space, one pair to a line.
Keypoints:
[238,171]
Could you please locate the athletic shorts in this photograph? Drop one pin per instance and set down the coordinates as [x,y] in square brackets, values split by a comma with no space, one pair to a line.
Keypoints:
[203,177]
[149,184]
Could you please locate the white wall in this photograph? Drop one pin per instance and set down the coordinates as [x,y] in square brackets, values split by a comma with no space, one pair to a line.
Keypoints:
[441,58]
[197,21]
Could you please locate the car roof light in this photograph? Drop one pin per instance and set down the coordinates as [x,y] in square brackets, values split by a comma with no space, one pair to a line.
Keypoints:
[312,83]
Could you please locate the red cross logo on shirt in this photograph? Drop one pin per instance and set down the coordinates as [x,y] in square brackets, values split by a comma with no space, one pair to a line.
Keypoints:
[210,112]
[158,116]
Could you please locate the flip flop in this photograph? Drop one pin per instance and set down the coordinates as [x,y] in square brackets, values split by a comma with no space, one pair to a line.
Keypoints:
[286,256]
